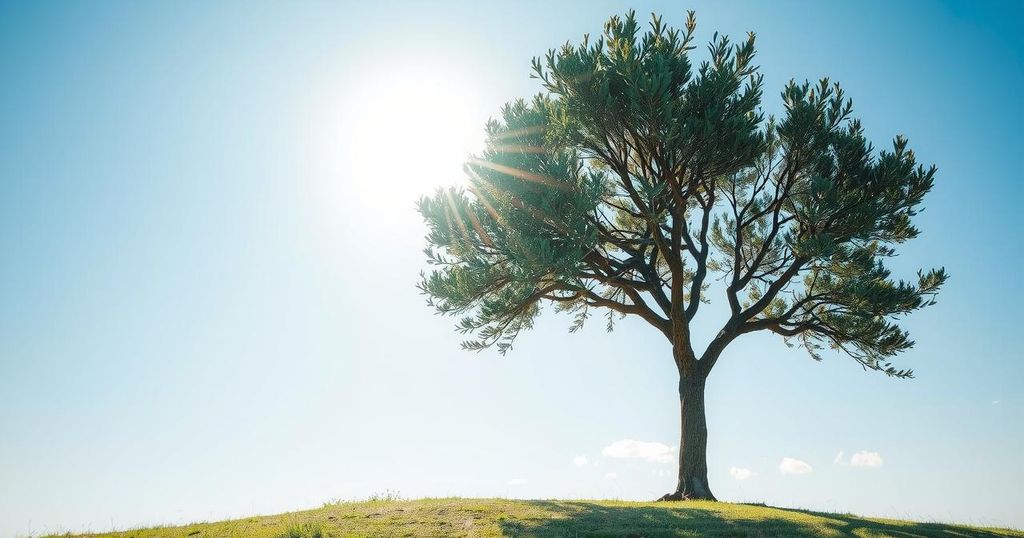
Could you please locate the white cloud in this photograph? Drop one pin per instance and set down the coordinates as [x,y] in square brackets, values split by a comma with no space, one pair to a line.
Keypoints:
[794,466]
[740,473]
[517,482]
[838,459]
[628,448]
[580,461]
[610,476]
[866,459]
[996,402]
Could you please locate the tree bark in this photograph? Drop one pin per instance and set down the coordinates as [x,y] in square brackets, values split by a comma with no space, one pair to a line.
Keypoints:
[693,442]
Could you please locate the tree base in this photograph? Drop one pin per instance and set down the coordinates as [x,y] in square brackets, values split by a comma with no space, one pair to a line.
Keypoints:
[678,496]
[681,497]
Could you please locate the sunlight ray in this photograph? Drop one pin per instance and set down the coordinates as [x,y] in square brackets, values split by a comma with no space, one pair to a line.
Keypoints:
[547,181]
[519,148]
[511,133]
[454,215]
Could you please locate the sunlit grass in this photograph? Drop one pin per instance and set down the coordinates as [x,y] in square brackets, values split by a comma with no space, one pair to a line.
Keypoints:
[387,515]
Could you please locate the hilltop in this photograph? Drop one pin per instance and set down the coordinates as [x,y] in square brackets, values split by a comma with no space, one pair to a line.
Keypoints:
[499,517]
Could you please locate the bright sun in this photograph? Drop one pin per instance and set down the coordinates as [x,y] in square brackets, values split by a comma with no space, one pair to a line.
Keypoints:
[408,131]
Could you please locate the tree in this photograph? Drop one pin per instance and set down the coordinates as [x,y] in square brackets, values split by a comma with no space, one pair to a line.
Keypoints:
[634,177]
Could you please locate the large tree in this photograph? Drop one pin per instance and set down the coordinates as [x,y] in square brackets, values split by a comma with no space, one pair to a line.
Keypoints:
[635,177]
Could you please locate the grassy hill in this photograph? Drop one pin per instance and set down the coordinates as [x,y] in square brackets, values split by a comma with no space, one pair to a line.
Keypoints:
[498,517]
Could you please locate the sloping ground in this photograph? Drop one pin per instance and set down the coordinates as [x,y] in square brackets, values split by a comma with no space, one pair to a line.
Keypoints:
[497,517]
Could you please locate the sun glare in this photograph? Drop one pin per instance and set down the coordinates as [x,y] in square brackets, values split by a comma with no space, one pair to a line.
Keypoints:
[408,132]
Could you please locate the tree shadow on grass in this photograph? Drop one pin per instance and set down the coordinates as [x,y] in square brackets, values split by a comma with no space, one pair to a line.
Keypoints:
[572,519]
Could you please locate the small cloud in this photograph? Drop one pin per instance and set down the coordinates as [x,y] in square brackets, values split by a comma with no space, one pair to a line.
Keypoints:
[794,466]
[580,461]
[628,448]
[610,476]
[996,402]
[838,460]
[740,473]
[517,482]
[866,459]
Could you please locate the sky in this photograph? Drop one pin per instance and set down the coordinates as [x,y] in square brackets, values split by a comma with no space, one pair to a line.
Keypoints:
[210,250]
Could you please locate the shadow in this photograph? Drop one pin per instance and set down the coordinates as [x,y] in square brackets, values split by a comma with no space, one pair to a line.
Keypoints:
[580,518]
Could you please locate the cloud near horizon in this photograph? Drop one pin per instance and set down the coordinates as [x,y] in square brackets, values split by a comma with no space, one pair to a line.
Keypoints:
[580,461]
[629,448]
[517,481]
[740,473]
[866,459]
[794,466]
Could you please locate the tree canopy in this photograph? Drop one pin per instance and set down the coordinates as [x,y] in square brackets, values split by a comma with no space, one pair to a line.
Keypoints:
[637,175]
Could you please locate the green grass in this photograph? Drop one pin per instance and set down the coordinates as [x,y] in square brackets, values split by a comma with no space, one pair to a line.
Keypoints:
[497,517]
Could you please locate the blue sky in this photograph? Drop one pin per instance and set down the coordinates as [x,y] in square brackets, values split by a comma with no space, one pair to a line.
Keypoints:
[207,290]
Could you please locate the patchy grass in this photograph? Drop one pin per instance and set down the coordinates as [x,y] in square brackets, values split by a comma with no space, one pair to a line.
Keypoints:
[388,516]
[304,530]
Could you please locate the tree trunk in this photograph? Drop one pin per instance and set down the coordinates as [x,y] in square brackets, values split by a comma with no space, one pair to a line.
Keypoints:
[693,443]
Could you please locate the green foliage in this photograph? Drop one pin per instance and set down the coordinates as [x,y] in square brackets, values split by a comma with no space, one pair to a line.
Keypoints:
[636,173]
[516,233]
